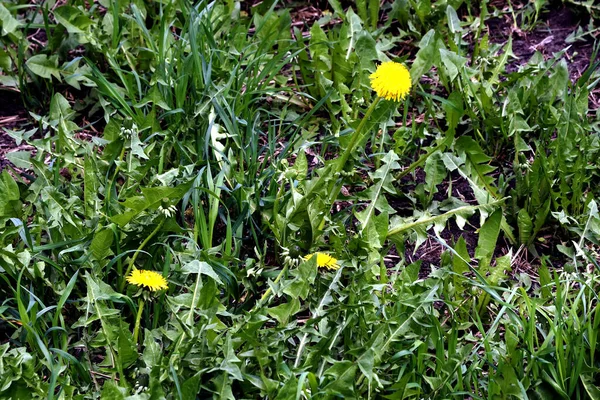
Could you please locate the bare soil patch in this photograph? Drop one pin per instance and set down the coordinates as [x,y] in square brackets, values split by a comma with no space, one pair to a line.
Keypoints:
[12,115]
[549,37]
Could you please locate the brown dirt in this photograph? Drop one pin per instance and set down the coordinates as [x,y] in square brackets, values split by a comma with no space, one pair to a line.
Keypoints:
[549,37]
[12,115]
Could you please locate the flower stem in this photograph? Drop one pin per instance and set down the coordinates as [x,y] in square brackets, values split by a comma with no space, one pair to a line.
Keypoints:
[112,182]
[268,292]
[357,135]
[138,318]
[137,252]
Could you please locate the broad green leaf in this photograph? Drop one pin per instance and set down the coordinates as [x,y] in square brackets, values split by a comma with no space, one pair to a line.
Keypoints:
[73,19]
[90,186]
[453,63]
[98,290]
[60,109]
[366,363]
[112,130]
[101,243]
[154,97]
[289,391]
[200,267]
[423,9]
[590,386]
[366,49]
[376,194]
[500,67]
[136,145]
[545,280]
[525,225]
[303,279]
[337,7]
[191,386]
[223,387]
[499,272]
[9,23]
[317,211]
[319,50]
[126,349]
[150,200]
[454,110]
[426,56]
[488,236]
[435,172]
[453,20]
[9,196]
[5,61]
[283,312]
[355,28]
[301,165]
[342,373]
[461,260]
[44,66]
[110,391]
[152,350]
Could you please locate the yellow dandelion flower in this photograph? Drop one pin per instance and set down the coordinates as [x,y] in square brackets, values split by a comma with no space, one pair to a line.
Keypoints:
[151,279]
[391,81]
[324,261]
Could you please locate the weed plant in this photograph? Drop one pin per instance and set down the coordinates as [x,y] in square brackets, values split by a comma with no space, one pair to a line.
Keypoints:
[217,204]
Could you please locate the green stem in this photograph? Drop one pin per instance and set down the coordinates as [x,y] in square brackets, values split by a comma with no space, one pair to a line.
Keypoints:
[112,181]
[269,291]
[357,135]
[423,158]
[137,252]
[138,318]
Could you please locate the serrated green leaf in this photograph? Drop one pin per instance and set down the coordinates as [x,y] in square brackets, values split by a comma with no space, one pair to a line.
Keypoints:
[342,373]
[383,178]
[453,63]
[90,185]
[366,49]
[101,243]
[303,278]
[454,110]
[150,200]
[190,388]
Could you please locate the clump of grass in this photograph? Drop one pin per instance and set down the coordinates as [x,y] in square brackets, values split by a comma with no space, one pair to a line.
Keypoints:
[249,184]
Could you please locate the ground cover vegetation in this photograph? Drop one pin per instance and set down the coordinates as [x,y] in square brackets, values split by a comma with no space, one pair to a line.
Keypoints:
[286,200]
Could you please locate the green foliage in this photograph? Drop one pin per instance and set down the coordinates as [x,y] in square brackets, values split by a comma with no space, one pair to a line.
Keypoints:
[229,142]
